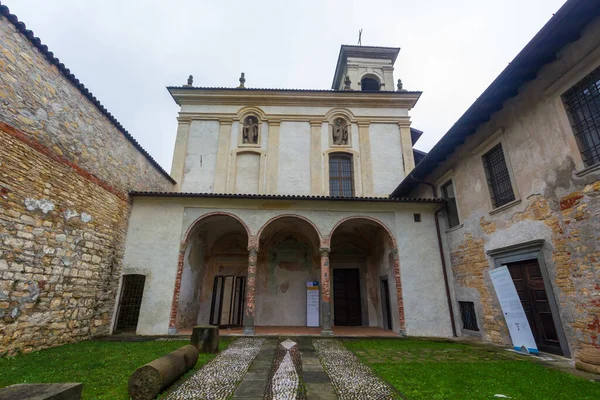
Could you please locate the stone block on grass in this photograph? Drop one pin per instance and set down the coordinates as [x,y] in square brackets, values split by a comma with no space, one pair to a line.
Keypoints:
[42,391]
[205,338]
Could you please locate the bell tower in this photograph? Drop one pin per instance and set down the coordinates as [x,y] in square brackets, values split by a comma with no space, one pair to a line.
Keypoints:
[368,68]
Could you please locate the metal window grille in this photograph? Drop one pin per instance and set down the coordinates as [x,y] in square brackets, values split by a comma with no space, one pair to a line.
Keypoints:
[341,175]
[131,300]
[582,103]
[498,177]
[467,313]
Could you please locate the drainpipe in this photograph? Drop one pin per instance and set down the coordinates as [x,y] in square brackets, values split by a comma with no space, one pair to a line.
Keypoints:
[441,249]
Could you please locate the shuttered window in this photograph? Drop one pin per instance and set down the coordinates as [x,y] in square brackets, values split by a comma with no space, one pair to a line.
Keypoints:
[451,208]
[341,175]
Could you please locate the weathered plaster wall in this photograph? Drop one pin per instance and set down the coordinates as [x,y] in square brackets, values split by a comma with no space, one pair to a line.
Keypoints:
[200,160]
[159,234]
[247,172]
[296,155]
[294,158]
[386,156]
[554,202]
[152,249]
[283,269]
[64,176]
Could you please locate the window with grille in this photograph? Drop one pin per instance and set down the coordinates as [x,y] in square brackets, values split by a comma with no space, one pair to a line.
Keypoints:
[341,175]
[131,301]
[467,313]
[582,103]
[498,177]
[451,208]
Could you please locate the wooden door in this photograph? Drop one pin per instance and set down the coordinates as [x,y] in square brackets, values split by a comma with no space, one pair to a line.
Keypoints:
[346,297]
[529,283]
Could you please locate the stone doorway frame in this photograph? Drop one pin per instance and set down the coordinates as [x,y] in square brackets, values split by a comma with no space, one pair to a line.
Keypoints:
[533,250]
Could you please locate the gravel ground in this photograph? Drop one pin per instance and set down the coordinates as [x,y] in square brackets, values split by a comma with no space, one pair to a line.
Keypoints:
[351,379]
[218,379]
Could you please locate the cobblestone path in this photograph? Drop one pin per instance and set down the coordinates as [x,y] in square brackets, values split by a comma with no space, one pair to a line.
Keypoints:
[284,369]
[218,379]
[350,377]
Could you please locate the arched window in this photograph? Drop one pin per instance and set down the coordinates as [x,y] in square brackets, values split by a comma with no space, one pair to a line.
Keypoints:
[341,175]
[369,84]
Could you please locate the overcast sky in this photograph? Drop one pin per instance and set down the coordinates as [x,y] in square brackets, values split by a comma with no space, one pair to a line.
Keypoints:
[126,51]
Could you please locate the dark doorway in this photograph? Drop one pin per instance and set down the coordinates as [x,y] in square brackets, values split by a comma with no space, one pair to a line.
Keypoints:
[346,297]
[529,283]
[227,307]
[385,304]
[128,314]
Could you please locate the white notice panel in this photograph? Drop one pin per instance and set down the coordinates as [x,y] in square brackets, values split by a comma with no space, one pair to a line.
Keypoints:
[518,326]
[312,304]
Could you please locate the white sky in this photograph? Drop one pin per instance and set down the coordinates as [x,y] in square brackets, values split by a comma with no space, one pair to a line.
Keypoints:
[126,51]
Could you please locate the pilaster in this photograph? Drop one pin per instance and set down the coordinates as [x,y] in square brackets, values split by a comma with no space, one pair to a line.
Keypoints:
[365,158]
[273,156]
[316,159]
[180,152]
[407,148]
[249,310]
[224,143]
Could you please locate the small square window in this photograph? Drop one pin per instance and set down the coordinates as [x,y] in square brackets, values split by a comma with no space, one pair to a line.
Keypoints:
[467,313]
[498,177]
[417,217]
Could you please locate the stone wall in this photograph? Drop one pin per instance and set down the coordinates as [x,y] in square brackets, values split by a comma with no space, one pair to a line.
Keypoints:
[574,256]
[61,246]
[66,167]
[40,100]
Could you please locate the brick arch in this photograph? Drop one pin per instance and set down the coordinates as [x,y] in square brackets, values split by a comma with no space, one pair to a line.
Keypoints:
[296,216]
[394,253]
[180,261]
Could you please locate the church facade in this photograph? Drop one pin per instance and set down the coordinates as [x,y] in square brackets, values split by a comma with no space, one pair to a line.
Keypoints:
[279,189]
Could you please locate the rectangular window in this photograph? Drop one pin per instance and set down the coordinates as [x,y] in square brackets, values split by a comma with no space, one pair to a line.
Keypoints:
[467,313]
[451,208]
[582,103]
[341,175]
[498,177]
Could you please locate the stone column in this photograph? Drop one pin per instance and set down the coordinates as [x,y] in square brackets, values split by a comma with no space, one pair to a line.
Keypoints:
[407,148]
[249,311]
[401,320]
[316,159]
[366,169]
[223,149]
[180,151]
[273,156]
[325,293]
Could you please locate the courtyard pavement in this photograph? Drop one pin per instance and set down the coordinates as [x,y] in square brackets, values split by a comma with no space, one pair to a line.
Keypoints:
[284,368]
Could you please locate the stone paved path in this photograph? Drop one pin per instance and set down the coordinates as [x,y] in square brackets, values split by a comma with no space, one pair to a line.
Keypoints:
[218,379]
[351,379]
[284,369]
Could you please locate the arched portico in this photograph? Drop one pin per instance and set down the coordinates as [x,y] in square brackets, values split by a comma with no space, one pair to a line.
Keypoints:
[365,275]
[211,272]
[287,256]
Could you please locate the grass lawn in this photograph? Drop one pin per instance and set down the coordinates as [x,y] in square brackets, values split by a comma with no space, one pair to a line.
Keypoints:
[104,368]
[422,369]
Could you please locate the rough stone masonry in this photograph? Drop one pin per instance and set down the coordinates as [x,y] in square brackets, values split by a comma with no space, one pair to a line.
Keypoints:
[66,166]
